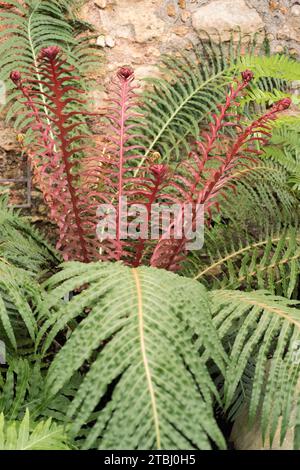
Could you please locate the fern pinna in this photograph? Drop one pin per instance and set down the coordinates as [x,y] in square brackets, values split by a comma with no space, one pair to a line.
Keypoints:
[75,185]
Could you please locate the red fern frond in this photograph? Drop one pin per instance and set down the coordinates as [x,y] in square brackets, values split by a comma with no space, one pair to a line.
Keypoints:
[56,155]
[117,166]
[200,183]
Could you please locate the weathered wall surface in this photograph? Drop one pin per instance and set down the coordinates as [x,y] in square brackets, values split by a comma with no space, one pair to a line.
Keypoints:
[137,32]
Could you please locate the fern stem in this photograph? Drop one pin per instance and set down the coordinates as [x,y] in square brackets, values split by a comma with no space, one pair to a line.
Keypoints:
[36,67]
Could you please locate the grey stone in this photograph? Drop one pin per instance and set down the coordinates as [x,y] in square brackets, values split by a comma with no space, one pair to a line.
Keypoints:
[221,17]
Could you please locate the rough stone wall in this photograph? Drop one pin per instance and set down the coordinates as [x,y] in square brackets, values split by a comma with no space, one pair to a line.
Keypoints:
[137,32]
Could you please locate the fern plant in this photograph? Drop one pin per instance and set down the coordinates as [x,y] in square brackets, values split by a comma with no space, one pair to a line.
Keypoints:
[22,245]
[25,435]
[18,292]
[264,330]
[125,355]
[129,342]
[74,192]
[193,83]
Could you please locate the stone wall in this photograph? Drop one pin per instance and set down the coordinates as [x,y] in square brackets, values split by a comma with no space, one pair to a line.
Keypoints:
[137,32]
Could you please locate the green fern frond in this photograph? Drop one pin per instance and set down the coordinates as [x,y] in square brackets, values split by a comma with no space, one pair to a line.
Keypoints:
[29,27]
[18,294]
[22,386]
[260,327]
[263,193]
[284,147]
[27,435]
[236,258]
[276,66]
[22,245]
[191,86]
[140,332]
[258,96]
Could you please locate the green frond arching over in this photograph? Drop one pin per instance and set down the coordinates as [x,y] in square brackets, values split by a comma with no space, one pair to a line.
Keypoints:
[262,329]
[21,245]
[276,66]
[190,86]
[151,364]
[27,435]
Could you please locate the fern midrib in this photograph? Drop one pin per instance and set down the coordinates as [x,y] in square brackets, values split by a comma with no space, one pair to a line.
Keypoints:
[145,358]
[237,253]
[263,306]
[39,78]
[271,266]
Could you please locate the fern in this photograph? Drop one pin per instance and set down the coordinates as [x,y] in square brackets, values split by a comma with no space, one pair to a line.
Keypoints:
[192,84]
[30,26]
[284,147]
[18,292]
[57,152]
[21,245]
[261,326]
[236,258]
[26,435]
[276,66]
[263,192]
[141,338]
[22,386]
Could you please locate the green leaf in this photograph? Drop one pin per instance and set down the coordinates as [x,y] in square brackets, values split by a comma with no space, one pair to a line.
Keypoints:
[25,435]
[146,335]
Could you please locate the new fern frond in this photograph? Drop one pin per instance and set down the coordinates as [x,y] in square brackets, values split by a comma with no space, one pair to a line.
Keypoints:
[56,158]
[201,184]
